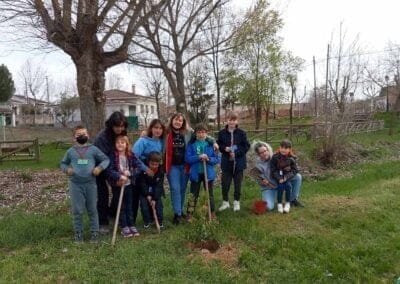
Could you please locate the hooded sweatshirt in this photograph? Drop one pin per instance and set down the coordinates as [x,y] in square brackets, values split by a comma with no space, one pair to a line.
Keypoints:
[144,146]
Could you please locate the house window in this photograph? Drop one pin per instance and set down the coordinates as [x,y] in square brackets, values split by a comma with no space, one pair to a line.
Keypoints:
[132,110]
[141,108]
[152,109]
[147,109]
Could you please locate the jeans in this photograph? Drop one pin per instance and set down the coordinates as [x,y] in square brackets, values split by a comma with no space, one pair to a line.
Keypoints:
[147,211]
[84,196]
[125,215]
[295,182]
[177,183]
[226,180]
[270,195]
[284,187]
[195,192]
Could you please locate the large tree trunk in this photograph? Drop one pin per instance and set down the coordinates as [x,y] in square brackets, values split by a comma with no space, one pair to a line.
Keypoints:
[91,80]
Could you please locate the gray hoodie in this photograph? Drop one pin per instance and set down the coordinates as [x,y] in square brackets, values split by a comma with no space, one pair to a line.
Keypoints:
[265,168]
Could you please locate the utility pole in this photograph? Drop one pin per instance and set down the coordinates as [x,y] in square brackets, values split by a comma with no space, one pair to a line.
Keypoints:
[315,90]
[326,93]
[47,90]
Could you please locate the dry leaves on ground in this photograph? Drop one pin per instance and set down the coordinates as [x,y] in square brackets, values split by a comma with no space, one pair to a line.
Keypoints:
[33,191]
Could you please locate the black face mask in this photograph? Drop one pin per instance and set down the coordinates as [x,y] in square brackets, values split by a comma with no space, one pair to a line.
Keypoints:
[82,139]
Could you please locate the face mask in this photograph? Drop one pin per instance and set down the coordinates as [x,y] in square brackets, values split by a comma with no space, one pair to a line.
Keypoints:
[81,139]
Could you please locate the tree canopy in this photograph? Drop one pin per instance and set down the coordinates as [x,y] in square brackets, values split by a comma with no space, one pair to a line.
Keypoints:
[7,88]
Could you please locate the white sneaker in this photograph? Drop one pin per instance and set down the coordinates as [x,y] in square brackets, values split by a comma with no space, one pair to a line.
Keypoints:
[280,208]
[287,207]
[236,205]
[225,205]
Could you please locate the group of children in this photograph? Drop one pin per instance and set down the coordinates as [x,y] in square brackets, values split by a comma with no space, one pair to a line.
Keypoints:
[142,178]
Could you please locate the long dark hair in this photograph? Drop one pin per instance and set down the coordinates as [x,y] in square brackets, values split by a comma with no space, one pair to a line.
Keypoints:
[117,118]
[153,123]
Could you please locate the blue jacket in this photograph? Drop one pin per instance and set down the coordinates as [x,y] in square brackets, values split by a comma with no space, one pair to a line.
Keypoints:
[143,147]
[242,146]
[192,158]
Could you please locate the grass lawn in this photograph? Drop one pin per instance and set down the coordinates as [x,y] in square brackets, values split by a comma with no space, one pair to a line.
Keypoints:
[348,232]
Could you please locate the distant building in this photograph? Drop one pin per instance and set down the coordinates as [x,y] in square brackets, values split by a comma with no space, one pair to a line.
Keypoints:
[131,104]
[19,110]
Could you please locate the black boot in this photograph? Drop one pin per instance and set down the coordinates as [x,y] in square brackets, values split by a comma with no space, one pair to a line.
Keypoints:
[176,219]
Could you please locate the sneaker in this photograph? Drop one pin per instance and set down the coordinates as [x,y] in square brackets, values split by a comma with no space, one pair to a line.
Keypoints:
[94,237]
[296,203]
[236,205]
[134,231]
[280,208]
[147,225]
[104,229]
[126,232]
[286,209]
[161,226]
[78,237]
[225,205]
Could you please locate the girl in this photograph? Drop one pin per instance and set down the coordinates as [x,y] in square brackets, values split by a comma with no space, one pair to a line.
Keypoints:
[116,124]
[266,181]
[284,168]
[152,142]
[178,137]
[123,169]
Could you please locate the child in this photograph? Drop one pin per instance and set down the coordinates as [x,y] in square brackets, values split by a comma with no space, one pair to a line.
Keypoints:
[151,190]
[284,168]
[265,179]
[82,163]
[233,144]
[198,151]
[122,171]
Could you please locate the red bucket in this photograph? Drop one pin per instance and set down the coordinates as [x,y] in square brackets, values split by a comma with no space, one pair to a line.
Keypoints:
[259,207]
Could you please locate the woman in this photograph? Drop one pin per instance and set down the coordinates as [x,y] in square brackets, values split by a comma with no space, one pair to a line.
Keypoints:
[116,125]
[267,182]
[178,136]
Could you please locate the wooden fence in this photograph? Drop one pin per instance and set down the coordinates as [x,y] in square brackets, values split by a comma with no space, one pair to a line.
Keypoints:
[305,132]
[20,150]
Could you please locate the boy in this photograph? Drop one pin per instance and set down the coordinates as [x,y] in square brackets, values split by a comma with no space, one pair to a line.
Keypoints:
[151,190]
[82,163]
[198,151]
[233,144]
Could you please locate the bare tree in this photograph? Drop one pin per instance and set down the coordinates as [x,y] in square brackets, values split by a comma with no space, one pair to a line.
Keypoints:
[113,81]
[34,81]
[293,65]
[172,38]
[86,31]
[155,87]
[218,28]
[345,69]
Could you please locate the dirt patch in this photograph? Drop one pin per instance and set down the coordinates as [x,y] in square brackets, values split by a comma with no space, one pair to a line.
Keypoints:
[34,191]
[227,255]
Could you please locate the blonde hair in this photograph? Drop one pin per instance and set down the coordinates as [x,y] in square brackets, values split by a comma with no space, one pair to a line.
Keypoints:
[126,140]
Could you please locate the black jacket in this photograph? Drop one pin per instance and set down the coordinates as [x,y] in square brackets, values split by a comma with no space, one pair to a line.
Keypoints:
[151,186]
[283,167]
[242,144]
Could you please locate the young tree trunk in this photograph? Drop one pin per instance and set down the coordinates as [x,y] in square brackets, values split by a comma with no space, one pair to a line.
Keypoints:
[91,80]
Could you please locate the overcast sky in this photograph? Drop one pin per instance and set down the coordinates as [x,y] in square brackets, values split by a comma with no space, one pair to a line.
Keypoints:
[308,28]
